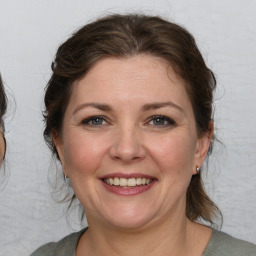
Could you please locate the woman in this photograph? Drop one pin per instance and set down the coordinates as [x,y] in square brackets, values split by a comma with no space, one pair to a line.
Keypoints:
[3,106]
[129,116]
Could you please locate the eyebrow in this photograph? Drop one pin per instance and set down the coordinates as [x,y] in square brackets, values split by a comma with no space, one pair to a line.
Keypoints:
[147,107]
[161,105]
[99,106]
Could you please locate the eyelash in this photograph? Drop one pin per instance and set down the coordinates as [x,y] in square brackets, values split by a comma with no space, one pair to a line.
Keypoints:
[167,121]
[89,121]
[164,121]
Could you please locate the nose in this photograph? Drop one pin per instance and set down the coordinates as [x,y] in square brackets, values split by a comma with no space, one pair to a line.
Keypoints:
[127,145]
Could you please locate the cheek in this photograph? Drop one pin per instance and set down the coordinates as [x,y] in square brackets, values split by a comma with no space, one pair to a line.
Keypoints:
[83,154]
[173,153]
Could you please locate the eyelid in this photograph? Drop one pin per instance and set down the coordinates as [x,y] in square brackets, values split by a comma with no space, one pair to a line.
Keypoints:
[85,121]
[170,121]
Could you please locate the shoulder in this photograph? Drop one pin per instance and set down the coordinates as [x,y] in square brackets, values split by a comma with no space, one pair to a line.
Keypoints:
[44,250]
[222,244]
[65,246]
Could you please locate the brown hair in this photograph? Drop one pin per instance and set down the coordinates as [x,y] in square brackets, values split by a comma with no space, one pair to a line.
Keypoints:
[123,36]
[3,102]
[3,107]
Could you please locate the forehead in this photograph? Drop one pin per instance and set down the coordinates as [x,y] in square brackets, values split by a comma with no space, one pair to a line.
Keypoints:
[130,77]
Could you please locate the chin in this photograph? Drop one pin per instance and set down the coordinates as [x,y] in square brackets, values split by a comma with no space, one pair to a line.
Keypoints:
[128,218]
[127,223]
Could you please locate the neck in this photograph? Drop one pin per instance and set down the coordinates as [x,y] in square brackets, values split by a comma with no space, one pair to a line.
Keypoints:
[170,238]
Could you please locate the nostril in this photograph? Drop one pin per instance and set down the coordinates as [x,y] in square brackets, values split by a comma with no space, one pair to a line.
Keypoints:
[127,152]
[127,144]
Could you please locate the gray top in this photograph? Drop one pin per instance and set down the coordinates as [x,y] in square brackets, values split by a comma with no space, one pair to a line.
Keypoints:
[220,244]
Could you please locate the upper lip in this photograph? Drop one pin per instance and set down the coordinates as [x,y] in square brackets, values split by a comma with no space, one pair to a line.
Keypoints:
[127,176]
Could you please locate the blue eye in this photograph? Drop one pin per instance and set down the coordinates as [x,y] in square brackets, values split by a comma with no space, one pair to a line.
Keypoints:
[161,121]
[94,121]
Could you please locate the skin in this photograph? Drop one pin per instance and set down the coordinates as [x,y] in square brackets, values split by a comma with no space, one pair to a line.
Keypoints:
[127,136]
[2,146]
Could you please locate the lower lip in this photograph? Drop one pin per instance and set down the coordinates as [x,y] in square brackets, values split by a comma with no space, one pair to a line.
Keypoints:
[128,191]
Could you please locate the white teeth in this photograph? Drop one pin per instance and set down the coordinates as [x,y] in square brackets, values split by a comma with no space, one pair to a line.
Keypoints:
[111,181]
[116,182]
[131,182]
[123,182]
[138,181]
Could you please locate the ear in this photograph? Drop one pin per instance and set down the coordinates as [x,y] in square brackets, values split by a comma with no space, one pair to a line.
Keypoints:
[58,142]
[202,147]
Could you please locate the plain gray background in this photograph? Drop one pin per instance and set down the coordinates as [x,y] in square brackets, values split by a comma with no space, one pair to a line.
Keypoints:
[31,31]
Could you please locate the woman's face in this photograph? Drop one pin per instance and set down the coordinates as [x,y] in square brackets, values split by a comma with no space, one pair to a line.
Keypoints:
[130,122]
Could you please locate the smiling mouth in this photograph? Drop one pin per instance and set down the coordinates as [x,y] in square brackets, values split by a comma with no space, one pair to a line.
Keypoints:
[127,183]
